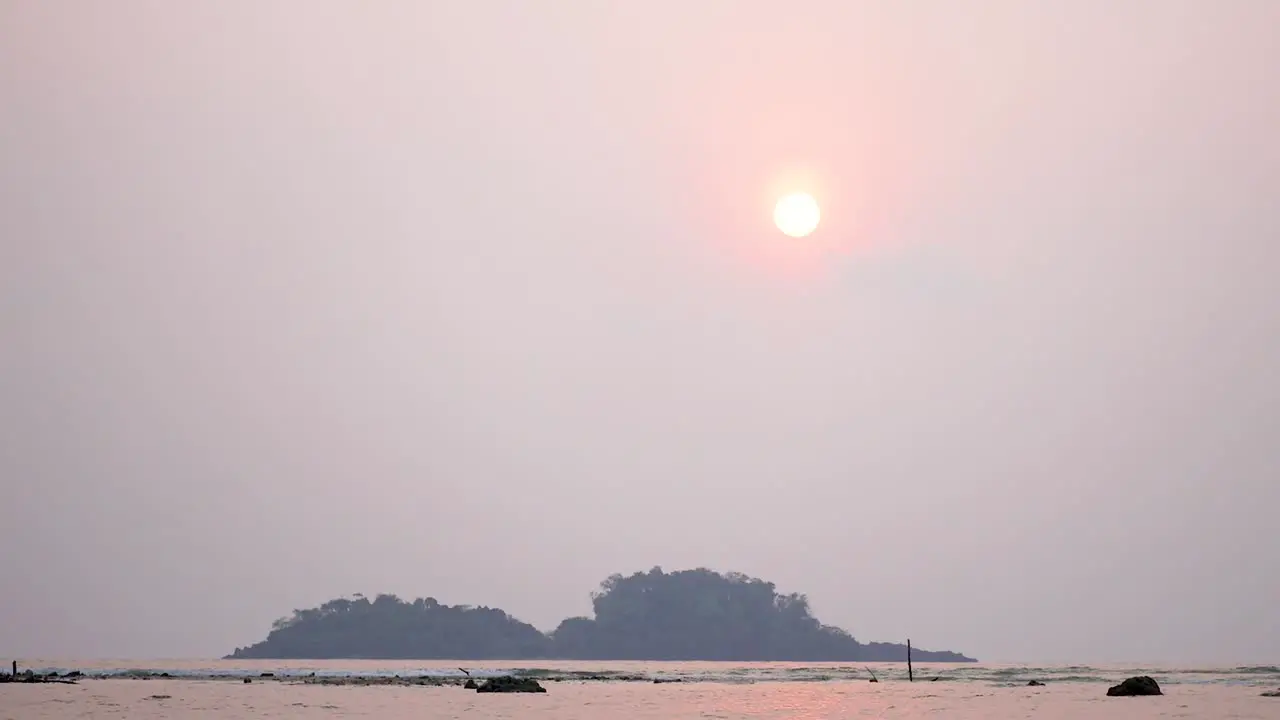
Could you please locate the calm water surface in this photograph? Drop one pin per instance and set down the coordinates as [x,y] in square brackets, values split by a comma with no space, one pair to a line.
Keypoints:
[707,691]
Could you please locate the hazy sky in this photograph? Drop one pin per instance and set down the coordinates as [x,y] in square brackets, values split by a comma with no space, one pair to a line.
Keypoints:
[482,300]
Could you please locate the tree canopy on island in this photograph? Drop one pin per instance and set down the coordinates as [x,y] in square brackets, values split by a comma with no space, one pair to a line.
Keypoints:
[391,628]
[687,615]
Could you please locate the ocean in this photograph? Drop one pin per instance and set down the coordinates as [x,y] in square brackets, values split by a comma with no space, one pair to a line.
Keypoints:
[600,691]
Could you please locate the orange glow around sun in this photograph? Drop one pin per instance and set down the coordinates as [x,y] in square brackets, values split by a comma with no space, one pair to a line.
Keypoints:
[789,221]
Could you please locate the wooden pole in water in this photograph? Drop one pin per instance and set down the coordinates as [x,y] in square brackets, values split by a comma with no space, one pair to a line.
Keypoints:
[911,676]
[15,669]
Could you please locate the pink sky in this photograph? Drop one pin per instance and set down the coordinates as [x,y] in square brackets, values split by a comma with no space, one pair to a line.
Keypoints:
[306,299]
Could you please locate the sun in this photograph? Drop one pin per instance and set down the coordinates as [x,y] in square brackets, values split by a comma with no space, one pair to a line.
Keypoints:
[797,214]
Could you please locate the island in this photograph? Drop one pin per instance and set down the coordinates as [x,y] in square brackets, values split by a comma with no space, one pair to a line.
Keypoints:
[686,615]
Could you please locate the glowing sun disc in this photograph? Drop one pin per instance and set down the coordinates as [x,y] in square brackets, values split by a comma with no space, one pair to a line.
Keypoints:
[797,214]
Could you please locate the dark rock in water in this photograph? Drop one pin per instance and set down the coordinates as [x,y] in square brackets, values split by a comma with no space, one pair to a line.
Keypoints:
[248,680]
[1135,686]
[267,675]
[660,681]
[1273,693]
[509,684]
[31,677]
[1035,683]
[74,674]
[469,684]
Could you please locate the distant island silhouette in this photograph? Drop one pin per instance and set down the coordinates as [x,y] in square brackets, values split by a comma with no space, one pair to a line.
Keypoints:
[686,615]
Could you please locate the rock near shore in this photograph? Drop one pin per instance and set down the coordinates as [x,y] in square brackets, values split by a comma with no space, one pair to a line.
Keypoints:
[509,684]
[1135,687]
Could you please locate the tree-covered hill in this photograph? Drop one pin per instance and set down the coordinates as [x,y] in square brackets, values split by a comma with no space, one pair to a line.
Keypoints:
[704,615]
[392,629]
[687,615]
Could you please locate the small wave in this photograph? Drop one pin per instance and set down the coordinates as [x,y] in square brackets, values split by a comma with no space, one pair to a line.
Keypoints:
[571,675]
[1079,678]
